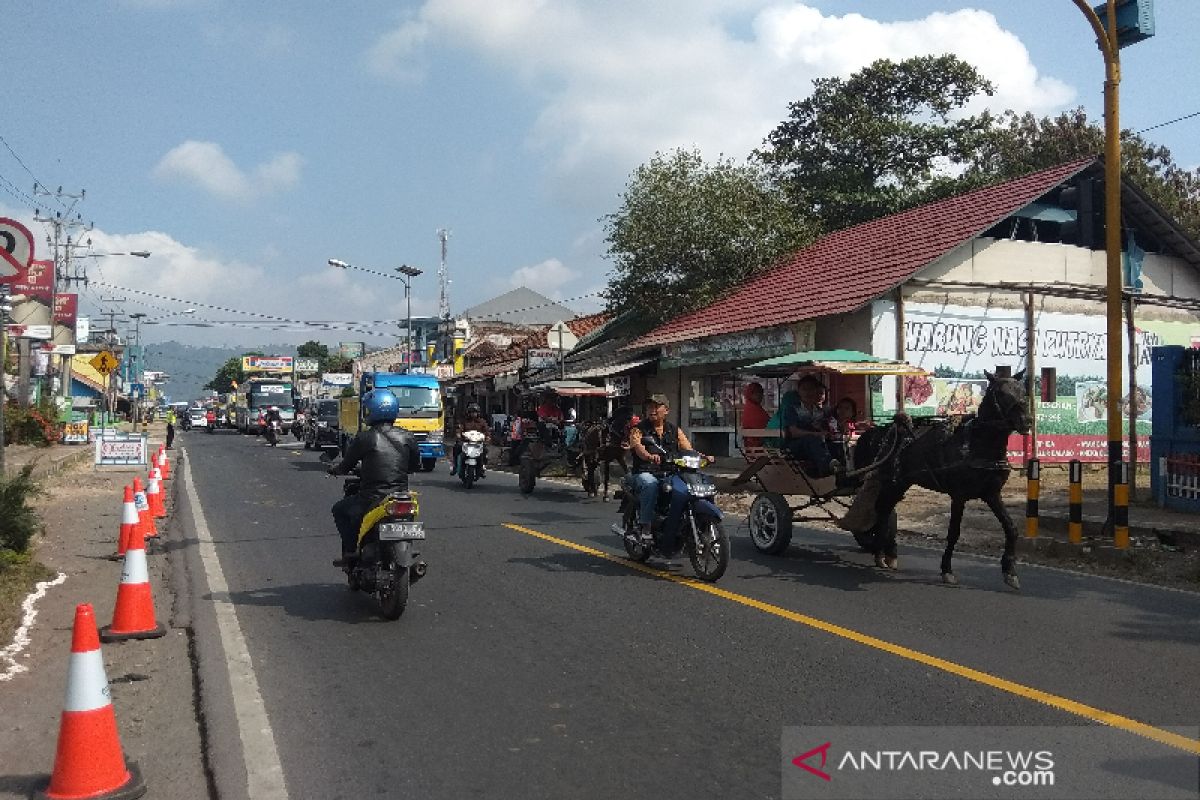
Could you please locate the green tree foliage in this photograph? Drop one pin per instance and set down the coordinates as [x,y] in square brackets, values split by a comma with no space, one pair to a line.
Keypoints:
[227,374]
[688,231]
[879,141]
[313,349]
[336,363]
[1024,143]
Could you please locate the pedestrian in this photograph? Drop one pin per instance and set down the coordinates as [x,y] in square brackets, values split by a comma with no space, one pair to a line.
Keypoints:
[170,427]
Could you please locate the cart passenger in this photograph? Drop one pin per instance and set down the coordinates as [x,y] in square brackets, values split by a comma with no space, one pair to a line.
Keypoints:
[806,427]
[648,441]
[754,416]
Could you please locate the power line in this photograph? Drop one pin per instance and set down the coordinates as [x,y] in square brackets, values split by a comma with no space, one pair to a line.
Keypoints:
[1170,122]
[36,182]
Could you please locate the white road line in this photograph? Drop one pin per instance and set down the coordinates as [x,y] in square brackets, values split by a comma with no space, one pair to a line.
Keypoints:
[21,637]
[263,770]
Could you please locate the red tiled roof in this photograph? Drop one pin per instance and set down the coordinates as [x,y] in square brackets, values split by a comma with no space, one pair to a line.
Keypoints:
[846,269]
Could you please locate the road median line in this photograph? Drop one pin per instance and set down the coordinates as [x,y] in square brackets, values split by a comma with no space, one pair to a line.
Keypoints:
[1092,713]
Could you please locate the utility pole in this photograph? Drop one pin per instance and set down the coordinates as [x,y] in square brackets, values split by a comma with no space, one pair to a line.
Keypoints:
[445,333]
[4,309]
[62,260]
[137,334]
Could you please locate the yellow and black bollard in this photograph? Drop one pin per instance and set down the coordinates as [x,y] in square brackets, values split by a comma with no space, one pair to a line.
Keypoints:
[1033,473]
[1121,508]
[1075,502]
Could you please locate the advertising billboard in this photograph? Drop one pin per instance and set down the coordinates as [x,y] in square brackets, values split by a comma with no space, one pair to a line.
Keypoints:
[276,364]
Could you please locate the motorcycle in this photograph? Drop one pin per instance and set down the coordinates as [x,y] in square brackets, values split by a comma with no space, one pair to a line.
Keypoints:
[698,531]
[271,430]
[387,562]
[299,426]
[470,460]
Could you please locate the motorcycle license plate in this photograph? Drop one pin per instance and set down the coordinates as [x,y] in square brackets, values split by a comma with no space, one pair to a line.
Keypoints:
[471,461]
[401,531]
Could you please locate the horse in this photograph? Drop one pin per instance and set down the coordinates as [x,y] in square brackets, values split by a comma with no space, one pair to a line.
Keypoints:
[967,462]
[601,445]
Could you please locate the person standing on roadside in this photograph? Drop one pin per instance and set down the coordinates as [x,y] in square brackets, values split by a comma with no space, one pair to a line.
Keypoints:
[170,427]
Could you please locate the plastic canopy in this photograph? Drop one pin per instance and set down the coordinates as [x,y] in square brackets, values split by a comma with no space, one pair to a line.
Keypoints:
[844,362]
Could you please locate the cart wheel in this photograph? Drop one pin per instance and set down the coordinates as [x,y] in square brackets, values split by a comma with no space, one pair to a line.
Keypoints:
[770,523]
[527,478]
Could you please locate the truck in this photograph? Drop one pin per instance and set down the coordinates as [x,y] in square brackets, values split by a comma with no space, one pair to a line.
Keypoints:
[422,412]
[258,394]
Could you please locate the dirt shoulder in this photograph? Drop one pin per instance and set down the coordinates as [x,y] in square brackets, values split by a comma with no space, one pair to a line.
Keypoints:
[151,681]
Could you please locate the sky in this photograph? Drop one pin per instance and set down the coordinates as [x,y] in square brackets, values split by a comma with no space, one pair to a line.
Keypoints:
[246,144]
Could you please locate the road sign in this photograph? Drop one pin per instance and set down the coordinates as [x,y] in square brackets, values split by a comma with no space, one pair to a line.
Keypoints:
[104,362]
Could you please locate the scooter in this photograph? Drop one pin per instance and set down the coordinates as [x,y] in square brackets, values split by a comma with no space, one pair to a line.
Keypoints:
[271,431]
[470,460]
[387,562]
[697,530]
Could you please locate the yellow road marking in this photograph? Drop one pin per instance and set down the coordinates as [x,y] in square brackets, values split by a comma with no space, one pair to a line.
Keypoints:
[1168,738]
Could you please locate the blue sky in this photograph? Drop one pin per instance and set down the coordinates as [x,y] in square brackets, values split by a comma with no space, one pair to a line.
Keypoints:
[247,143]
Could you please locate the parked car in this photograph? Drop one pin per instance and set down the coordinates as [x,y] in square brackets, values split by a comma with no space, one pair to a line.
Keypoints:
[196,418]
[321,425]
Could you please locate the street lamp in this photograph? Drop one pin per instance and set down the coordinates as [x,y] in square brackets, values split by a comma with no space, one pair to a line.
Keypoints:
[405,273]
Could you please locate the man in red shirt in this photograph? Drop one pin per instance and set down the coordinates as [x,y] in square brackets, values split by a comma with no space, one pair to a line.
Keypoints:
[754,416]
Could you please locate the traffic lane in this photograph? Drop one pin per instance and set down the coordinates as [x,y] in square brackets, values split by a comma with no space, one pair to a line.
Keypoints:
[523,669]
[1078,636]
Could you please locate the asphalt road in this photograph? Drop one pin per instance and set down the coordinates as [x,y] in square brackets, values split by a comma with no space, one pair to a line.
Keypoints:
[528,667]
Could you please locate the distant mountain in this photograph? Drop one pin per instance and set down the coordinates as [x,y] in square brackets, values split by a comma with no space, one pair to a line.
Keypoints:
[191,367]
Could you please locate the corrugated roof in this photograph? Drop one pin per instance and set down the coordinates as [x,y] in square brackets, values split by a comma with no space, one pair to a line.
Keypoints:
[846,269]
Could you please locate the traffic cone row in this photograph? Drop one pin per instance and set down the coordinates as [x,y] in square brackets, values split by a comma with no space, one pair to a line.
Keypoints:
[89,761]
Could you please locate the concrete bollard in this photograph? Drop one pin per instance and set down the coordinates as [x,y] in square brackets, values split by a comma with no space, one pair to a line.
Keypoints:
[1121,508]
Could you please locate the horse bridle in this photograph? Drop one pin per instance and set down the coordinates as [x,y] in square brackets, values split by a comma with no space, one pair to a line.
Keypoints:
[1003,413]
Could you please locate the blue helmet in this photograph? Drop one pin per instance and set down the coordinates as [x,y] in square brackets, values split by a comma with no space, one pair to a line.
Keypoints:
[380,405]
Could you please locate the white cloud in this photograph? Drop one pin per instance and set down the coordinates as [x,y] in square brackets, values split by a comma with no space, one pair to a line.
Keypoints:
[626,78]
[204,164]
[547,277]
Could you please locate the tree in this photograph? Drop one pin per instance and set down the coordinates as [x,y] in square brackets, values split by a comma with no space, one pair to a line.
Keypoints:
[879,141]
[313,349]
[1024,143]
[229,373]
[688,231]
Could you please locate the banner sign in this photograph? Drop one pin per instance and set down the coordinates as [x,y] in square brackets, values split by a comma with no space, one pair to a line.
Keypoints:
[267,363]
[617,387]
[83,329]
[307,366]
[66,306]
[956,344]
[540,357]
[444,372]
[28,331]
[75,432]
[120,449]
[35,280]
[337,379]
[352,349]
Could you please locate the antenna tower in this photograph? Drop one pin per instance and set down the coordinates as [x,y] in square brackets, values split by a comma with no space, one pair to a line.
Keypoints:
[443,277]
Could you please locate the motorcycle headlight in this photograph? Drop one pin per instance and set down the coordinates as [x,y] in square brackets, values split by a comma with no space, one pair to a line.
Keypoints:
[435,437]
[702,489]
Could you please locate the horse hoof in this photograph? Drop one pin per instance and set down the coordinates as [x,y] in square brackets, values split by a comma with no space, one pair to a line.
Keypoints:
[1011,579]
[950,579]
[892,563]
[879,562]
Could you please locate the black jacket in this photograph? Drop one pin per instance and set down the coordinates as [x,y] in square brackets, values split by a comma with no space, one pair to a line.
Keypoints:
[387,455]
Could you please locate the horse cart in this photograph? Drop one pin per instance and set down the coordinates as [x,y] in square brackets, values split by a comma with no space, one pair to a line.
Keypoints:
[547,442]
[776,476]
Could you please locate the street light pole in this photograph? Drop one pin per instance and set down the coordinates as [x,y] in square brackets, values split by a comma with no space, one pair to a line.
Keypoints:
[137,317]
[409,273]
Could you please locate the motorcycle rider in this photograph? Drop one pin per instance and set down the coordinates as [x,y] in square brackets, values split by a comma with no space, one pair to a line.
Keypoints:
[645,440]
[387,455]
[473,421]
[272,416]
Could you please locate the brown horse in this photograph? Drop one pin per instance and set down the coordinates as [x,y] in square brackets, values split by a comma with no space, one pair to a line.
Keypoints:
[602,445]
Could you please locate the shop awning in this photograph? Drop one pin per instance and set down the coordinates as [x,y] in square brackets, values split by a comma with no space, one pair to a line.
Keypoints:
[570,389]
[844,362]
[716,356]
[609,368]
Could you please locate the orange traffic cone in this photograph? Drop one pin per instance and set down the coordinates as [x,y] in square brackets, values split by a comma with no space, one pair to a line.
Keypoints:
[145,518]
[129,522]
[89,761]
[133,616]
[164,463]
[154,495]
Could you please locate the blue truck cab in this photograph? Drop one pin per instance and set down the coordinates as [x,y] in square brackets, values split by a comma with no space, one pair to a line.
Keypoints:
[422,412]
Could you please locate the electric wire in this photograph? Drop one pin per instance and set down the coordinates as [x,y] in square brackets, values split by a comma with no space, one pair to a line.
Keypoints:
[1170,122]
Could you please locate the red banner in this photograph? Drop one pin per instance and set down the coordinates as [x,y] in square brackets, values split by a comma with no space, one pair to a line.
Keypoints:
[1059,448]
[37,280]
[66,306]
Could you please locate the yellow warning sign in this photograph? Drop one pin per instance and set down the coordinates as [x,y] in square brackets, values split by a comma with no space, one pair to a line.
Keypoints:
[104,362]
